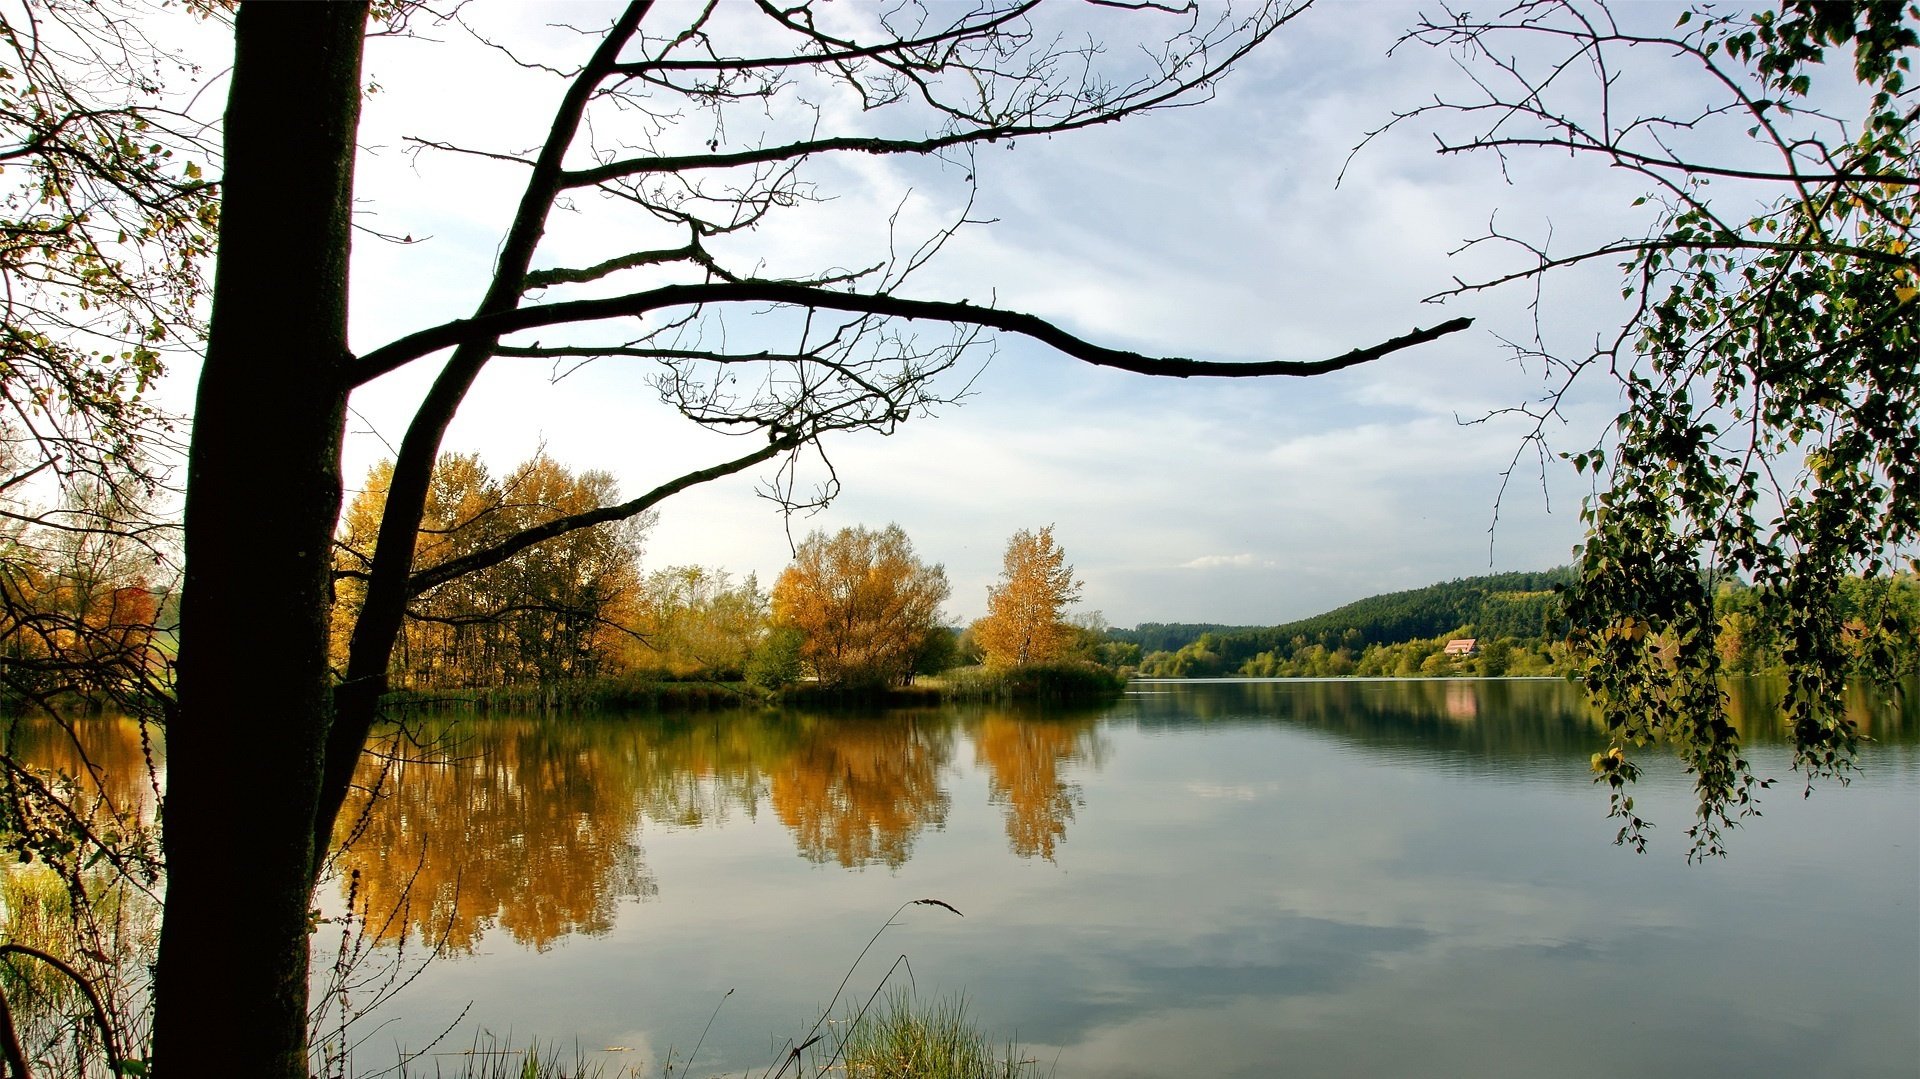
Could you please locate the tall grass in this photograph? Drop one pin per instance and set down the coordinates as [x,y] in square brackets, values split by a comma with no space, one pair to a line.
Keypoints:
[904,1039]
[488,1058]
[75,968]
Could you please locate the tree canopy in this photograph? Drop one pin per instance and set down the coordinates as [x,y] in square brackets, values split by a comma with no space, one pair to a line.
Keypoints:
[862,603]
[557,611]
[1024,622]
[106,216]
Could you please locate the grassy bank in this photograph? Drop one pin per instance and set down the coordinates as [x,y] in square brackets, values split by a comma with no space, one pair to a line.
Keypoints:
[587,695]
[1052,683]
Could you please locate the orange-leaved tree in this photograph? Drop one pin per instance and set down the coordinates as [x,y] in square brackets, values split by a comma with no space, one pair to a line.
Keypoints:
[863,604]
[1023,623]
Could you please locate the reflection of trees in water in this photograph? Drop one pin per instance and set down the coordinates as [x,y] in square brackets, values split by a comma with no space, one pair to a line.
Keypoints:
[102,754]
[858,790]
[63,778]
[1494,719]
[530,826]
[697,770]
[1753,704]
[1025,759]
[520,824]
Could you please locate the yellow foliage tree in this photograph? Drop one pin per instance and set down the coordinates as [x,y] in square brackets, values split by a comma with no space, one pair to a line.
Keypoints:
[863,604]
[1023,623]
[547,614]
[694,620]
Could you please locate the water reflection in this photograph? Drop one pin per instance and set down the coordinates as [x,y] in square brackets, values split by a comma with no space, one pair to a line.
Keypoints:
[534,827]
[99,775]
[858,791]
[106,756]
[1026,759]
[1501,720]
[522,824]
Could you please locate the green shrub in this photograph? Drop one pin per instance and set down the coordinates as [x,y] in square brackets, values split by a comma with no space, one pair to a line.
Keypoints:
[1050,682]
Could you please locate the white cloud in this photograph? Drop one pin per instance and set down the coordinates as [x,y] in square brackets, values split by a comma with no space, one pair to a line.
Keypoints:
[1221,561]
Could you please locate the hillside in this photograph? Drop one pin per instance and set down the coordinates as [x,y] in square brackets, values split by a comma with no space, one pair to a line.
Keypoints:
[1521,606]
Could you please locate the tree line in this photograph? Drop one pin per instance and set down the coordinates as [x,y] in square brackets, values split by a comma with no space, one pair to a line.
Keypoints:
[856,610]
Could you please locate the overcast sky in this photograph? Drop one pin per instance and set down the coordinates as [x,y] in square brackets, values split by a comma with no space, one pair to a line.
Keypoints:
[1215,231]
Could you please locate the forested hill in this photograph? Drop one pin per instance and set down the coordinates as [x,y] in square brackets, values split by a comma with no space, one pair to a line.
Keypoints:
[1518,609]
[1173,636]
[1498,605]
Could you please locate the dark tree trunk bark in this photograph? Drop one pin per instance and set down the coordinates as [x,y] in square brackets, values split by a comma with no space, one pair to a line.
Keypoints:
[244,747]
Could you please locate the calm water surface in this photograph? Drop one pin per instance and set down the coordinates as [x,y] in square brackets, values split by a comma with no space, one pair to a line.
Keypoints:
[1205,879]
[1214,879]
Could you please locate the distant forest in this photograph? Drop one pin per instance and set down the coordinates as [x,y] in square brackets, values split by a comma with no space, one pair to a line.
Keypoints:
[1515,621]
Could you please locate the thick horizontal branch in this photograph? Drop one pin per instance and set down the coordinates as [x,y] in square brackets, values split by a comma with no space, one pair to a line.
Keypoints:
[561,276]
[594,352]
[560,526]
[638,166]
[493,327]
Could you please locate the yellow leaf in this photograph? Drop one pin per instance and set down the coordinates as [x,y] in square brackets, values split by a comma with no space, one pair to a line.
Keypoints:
[1904,293]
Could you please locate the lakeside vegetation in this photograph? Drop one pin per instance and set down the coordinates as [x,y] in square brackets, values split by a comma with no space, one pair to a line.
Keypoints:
[575,623]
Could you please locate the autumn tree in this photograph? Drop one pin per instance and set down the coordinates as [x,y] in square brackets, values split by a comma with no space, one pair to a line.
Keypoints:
[1025,620]
[1771,431]
[862,603]
[565,609]
[694,620]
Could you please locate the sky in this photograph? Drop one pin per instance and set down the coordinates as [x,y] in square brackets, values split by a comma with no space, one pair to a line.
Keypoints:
[1224,231]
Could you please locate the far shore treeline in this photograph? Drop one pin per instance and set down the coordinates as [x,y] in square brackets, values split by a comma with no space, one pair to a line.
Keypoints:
[577,623]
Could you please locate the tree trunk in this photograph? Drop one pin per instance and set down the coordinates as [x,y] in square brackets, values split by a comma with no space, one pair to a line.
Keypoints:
[243,752]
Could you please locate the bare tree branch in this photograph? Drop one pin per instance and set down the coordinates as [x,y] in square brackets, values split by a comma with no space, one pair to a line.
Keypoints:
[488,328]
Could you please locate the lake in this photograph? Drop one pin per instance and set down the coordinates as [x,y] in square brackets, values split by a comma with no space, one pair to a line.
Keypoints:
[1207,879]
[1212,879]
